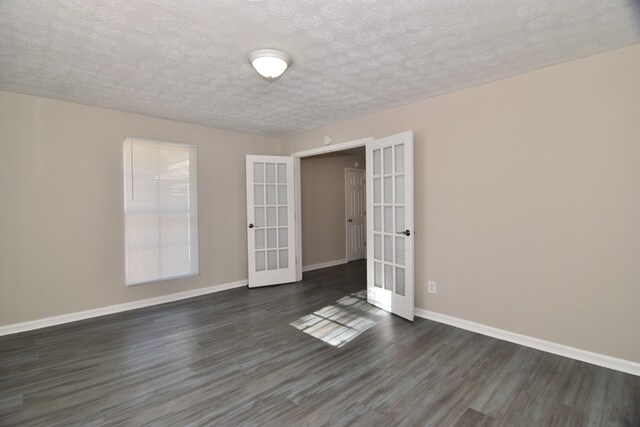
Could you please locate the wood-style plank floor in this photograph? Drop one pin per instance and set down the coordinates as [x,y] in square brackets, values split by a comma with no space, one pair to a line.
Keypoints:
[232,358]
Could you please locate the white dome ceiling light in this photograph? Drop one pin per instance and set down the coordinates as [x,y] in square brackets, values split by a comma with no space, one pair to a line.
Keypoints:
[269,63]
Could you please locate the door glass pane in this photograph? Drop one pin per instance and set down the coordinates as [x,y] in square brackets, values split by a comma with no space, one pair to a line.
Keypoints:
[259,217]
[388,160]
[272,260]
[283,237]
[282,216]
[388,219]
[399,218]
[399,157]
[377,246]
[258,172]
[400,281]
[272,235]
[259,239]
[400,189]
[282,194]
[376,190]
[388,248]
[388,189]
[377,274]
[400,250]
[271,217]
[388,277]
[271,194]
[377,218]
[260,261]
[258,194]
[282,173]
[284,258]
[376,162]
[270,172]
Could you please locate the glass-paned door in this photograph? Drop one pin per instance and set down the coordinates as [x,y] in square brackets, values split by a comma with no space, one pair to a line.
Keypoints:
[390,263]
[270,220]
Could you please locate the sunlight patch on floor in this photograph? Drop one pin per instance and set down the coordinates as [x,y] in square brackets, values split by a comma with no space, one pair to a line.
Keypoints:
[339,323]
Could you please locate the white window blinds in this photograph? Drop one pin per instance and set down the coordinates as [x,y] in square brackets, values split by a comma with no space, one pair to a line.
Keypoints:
[161,230]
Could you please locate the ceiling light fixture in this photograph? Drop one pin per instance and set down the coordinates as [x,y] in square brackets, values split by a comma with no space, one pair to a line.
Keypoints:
[269,63]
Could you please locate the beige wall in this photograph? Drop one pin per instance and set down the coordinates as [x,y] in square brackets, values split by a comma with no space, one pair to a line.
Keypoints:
[528,200]
[61,227]
[323,205]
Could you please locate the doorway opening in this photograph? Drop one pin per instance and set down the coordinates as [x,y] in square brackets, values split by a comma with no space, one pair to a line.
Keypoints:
[333,208]
[298,157]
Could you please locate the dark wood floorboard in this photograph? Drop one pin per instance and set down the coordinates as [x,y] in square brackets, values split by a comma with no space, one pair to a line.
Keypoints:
[232,358]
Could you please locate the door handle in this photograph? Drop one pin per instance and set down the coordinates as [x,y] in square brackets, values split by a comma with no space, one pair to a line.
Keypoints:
[405,232]
[250,225]
[350,220]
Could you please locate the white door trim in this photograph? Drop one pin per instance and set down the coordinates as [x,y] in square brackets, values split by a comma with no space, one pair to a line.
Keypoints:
[331,148]
[298,192]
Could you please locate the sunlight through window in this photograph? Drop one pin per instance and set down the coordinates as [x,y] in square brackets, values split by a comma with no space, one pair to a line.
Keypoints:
[339,323]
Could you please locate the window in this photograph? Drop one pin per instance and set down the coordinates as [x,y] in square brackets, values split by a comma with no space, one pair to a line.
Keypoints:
[161,211]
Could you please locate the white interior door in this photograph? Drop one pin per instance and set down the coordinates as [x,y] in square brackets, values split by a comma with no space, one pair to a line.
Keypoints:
[390,232]
[355,203]
[270,220]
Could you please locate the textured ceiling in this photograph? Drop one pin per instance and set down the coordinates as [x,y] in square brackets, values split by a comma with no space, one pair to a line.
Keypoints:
[187,60]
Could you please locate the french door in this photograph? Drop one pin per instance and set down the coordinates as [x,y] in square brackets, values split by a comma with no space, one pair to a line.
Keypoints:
[270,220]
[390,232]
[271,223]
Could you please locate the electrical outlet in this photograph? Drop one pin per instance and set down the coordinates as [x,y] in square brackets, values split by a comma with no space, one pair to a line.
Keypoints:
[431,287]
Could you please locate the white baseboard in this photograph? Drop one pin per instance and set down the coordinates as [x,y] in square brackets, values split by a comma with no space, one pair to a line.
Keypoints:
[102,311]
[550,347]
[323,265]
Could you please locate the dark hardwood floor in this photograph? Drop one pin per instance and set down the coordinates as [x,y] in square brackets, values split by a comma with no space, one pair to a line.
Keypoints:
[232,358]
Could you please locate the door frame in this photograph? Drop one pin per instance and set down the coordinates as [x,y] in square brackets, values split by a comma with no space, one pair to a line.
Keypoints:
[297,156]
[346,211]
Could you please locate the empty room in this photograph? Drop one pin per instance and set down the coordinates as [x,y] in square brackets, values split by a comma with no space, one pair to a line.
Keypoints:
[319,213]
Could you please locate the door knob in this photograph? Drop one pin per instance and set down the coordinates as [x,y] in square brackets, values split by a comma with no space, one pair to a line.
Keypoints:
[405,232]
[250,225]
